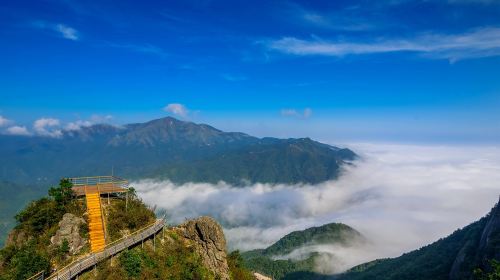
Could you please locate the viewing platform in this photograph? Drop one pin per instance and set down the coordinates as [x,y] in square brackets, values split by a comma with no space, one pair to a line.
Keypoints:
[99,184]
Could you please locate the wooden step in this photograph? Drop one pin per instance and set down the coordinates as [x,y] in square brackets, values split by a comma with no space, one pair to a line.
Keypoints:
[96,228]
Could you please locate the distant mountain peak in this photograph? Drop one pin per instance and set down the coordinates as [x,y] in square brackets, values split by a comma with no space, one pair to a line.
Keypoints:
[178,150]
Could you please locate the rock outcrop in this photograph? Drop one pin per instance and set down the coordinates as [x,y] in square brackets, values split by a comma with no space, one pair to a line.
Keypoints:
[210,243]
[69,229]
[16,238]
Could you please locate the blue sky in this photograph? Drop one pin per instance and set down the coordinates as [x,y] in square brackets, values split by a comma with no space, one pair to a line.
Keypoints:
[394,71]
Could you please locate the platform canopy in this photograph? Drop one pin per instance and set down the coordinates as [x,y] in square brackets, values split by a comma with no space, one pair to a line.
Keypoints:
[100,184]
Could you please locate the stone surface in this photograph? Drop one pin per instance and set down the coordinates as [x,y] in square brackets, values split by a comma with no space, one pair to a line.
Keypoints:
[259,276]
[210,243]
[69,229]
[16,238]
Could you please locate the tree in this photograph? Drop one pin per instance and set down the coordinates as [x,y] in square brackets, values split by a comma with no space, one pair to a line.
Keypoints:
[132,263]
[64,246]
[492,275]
[63,193]
[237,268]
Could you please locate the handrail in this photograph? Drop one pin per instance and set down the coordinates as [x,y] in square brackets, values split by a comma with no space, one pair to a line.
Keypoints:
[98,180]
[111,249]
[37,276]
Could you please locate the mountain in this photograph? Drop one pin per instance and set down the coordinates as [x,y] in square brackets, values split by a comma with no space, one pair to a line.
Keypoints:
[165,148]
[275,260]
[475,247]
[472,252]
[51,233]
[171,149]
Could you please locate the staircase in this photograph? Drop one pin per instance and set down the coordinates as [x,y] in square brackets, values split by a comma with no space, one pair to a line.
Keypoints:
[96,228]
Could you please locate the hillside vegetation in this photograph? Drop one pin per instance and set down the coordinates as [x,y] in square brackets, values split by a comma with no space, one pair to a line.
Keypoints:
[273,261]
[52,231]
[28,249]
[472,252]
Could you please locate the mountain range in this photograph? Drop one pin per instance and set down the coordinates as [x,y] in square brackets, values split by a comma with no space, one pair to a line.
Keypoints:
[165,148]
[168,148]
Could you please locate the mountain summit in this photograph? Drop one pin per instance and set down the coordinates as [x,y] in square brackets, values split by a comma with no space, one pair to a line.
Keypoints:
[171,149]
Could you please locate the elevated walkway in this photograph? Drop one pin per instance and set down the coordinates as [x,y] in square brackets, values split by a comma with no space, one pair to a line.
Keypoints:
[100,184]
[92,188]
[84,263]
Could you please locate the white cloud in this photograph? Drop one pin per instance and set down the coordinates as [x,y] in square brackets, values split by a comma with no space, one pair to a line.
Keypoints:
[340,20]
[63,30]
[76,125]
[4,121]
[289,113]
[18,130]
[307,112]
[47,127]
[67,32]
[177,109]
[481,42]
[294,113]
[400,197]
[94,119]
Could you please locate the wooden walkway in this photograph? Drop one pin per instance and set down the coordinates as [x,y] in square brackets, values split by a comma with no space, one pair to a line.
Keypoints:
[77,267]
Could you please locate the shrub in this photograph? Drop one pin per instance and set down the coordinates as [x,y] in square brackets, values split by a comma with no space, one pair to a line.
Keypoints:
[237,268]
[27,261]
[131,262]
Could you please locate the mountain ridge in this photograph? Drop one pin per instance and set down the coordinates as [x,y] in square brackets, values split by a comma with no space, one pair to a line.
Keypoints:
[276,261]
[163,147]
[461,255]
[168,149]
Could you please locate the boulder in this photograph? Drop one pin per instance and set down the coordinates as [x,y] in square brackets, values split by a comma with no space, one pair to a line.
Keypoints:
[210,243]
[69,229]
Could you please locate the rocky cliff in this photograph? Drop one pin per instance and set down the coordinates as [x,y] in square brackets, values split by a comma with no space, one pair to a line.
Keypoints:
[69,235]
[209,242]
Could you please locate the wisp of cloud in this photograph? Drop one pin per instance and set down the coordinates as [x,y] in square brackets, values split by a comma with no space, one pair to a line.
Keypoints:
[399,197]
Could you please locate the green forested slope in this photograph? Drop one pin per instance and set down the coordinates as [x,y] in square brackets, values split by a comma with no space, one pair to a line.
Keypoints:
[262,260]
[473,247]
